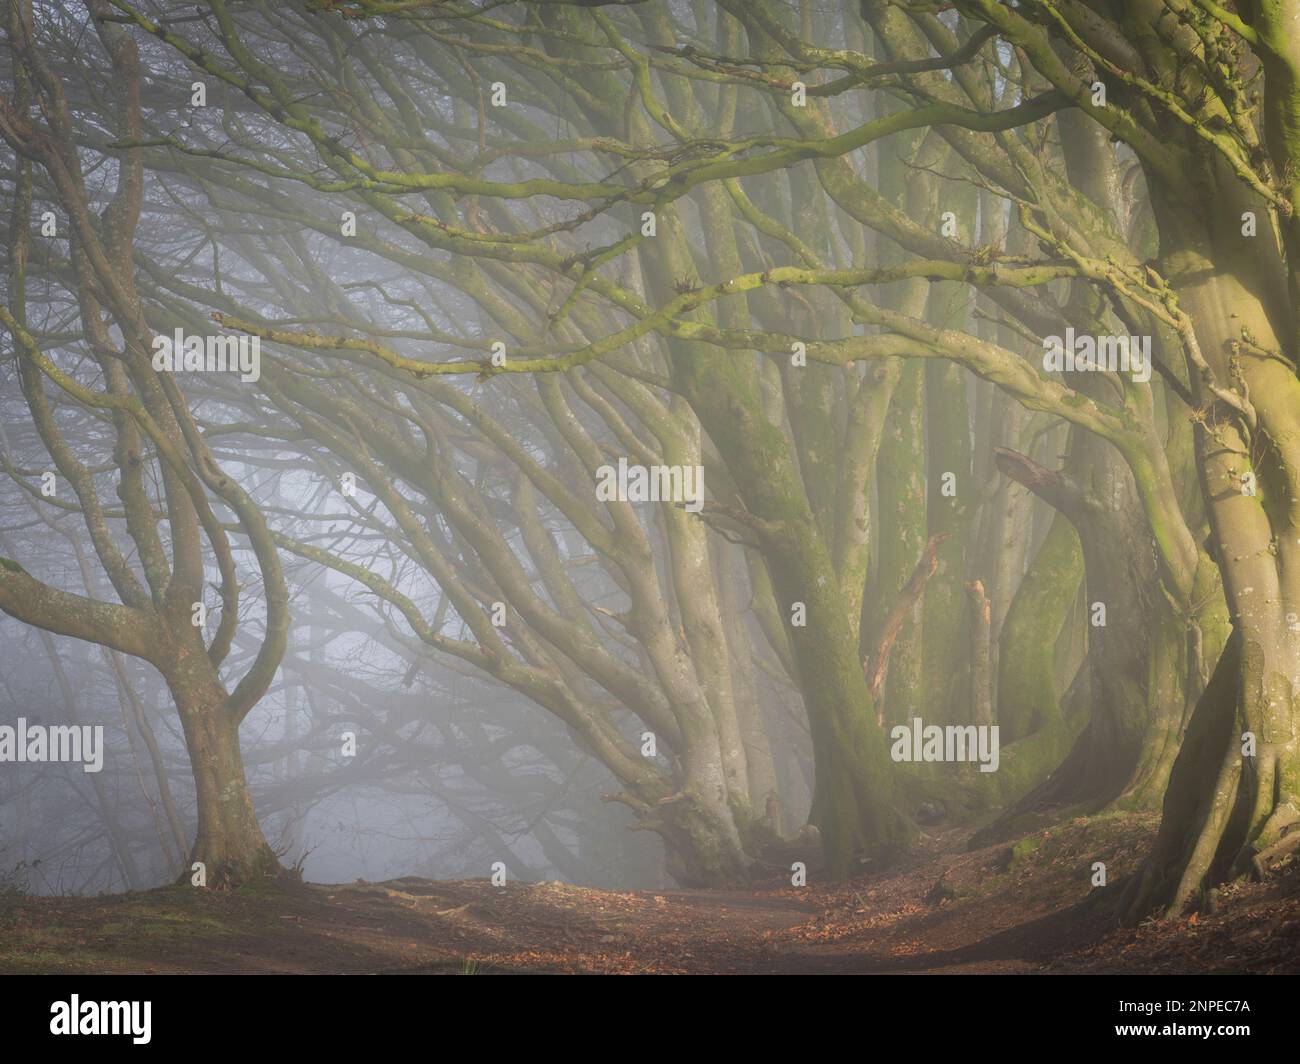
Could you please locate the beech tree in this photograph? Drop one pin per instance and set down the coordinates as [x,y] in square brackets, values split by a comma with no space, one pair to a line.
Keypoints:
[157,542]
[831,255]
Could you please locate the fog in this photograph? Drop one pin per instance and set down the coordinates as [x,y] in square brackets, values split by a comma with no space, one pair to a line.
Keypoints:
[651,446]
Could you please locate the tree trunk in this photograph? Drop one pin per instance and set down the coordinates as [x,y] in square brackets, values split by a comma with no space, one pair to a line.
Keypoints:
[1229,805]
[854,804]
[702,847]
[229,842]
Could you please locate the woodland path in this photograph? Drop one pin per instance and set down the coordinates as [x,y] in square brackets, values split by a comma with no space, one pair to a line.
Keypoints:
[996,910]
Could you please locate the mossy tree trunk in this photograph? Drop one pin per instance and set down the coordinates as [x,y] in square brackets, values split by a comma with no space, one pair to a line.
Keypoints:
[1234,791]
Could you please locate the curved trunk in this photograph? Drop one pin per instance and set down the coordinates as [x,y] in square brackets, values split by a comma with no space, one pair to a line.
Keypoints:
[1181,656]
[1235,788]
[1096,495]
[229,841]
[1196,807]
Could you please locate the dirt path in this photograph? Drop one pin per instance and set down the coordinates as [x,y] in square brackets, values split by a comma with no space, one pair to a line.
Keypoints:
[1005,909]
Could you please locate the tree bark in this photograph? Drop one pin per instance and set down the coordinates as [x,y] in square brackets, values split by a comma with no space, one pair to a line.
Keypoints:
[229,841]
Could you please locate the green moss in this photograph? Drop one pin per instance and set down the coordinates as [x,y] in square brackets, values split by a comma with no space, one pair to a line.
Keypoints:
[123,928]
[1021,850]
[1027,696]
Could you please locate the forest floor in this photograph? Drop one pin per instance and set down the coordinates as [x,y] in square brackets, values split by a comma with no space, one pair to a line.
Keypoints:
[1010,908]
